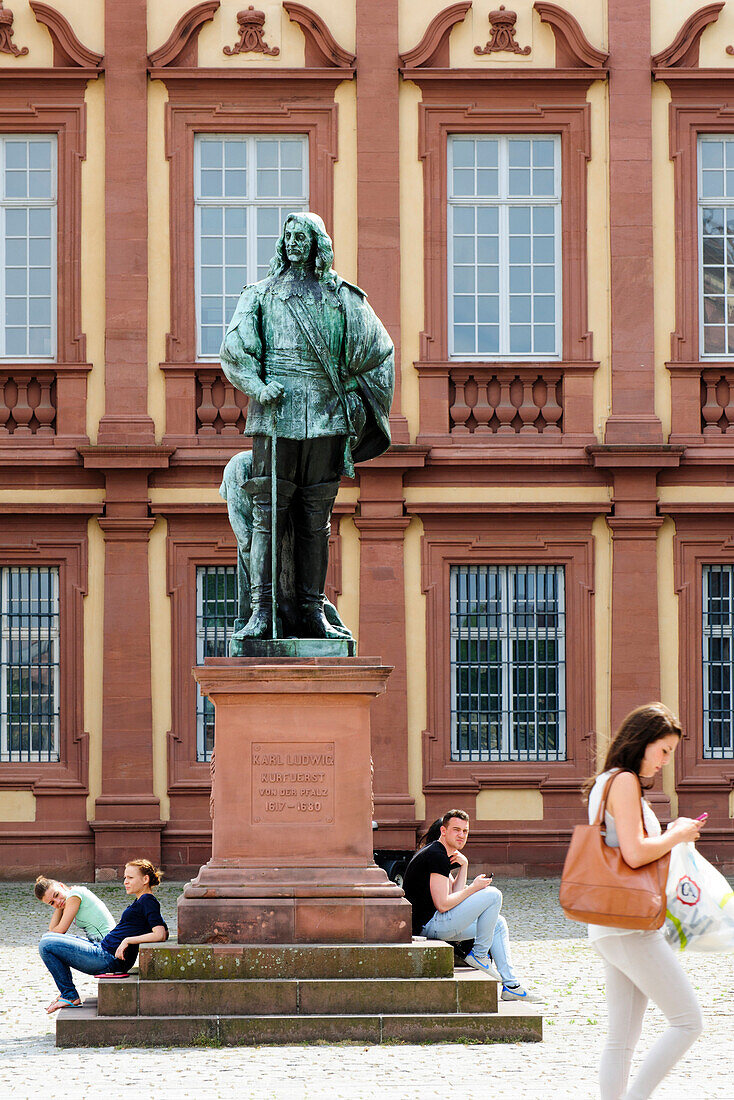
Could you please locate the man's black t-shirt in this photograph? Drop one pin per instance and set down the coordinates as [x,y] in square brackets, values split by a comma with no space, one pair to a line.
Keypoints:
[431,860]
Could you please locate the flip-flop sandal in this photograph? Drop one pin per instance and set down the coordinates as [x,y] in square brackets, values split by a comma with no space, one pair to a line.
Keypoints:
[111,974]
[62,1002]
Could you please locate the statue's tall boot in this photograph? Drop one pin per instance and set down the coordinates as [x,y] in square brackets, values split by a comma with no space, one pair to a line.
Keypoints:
[259,625]
[312,523]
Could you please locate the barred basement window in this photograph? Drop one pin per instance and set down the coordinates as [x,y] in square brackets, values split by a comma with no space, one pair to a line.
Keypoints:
[508,663]
[29,664]
[718,662]
[216,611]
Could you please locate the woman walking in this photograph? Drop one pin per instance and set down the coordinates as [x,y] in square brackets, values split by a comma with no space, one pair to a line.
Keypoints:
[640,966]
[140,923]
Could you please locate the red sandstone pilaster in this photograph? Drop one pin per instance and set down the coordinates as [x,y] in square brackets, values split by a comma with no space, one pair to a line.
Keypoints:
[633,418]
[126,225]
[378,174]
[382,629]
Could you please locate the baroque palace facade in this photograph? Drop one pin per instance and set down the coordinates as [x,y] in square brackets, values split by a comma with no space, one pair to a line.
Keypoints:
[540,204]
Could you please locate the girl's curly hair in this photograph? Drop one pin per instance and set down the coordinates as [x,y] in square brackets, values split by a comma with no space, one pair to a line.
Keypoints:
[324,251]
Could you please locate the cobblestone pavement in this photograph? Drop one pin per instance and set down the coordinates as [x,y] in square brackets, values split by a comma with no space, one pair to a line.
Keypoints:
[550,953]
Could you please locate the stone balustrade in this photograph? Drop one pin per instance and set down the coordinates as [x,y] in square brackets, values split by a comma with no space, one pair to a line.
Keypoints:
[506,402]
[27,404]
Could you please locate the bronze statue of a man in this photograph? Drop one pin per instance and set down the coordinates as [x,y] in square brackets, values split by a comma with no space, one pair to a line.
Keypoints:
[318,366]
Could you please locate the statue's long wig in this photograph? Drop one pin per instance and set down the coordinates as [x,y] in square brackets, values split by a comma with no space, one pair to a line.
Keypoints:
[324,257]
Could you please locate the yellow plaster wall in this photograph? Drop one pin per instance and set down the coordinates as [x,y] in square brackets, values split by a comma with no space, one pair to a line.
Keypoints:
[348,601]
[509,805]
[93,253]
[159,254]
[345,183]
[598,252]
[668,16]
[93,658]
[60,496]
[17,806]
[160,661]
[416,669]
[411,250]
[669,639]
[510,494]
[602,633]
[663,232]
[696,494]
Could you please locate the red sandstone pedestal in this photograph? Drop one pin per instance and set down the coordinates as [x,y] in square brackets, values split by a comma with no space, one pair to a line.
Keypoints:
[292,794]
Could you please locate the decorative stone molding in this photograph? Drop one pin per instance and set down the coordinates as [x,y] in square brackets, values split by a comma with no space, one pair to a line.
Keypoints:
[573,49]
[6,33]
[683,51]
[181,48]
[251,24]
[69,52]
[502,36]
[322,49]
[433,49]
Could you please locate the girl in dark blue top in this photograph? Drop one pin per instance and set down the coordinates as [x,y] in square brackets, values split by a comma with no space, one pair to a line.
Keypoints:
[140,923]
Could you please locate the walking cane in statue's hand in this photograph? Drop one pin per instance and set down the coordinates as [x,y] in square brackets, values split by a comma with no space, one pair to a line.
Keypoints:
[274,517]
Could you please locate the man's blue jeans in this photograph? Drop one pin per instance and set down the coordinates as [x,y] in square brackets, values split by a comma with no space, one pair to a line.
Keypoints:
[60,952]
[477,917]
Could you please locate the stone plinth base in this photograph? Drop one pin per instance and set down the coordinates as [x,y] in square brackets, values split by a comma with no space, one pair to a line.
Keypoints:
[246,995]
[292,795]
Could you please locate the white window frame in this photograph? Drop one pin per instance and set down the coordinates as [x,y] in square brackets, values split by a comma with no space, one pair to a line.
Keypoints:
[727,203]
[506,634]
[250,204]
[54,636]
[503,201]
[28,203]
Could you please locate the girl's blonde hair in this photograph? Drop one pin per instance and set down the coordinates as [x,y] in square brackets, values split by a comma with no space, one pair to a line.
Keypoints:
[146,868]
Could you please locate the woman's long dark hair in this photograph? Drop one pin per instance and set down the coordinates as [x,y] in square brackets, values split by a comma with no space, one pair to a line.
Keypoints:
[639,729]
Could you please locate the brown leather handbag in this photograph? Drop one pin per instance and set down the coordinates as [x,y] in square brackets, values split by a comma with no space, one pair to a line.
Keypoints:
[598,887]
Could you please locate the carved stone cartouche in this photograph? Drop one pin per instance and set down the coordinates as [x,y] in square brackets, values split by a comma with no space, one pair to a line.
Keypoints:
[6,33]
[502,37]
[251,23]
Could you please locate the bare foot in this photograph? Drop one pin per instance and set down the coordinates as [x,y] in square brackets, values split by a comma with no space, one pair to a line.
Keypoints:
[62,1002]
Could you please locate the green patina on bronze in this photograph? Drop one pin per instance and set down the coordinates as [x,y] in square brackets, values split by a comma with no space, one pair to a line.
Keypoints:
[318,366]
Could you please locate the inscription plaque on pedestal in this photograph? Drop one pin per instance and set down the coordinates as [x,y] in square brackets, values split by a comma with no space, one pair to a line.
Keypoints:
[292,858]
[293,782]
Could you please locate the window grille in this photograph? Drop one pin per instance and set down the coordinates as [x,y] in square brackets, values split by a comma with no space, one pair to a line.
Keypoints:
[216,611]
[27,247]
[504,234]
[508,663]
[29,664]
[245,185]
[718,663]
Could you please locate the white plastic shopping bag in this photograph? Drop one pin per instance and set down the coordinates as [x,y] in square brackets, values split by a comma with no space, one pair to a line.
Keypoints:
[700,915]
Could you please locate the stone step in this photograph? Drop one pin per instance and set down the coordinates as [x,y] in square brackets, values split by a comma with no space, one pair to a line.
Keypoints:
[83,1027]
[420,959]
[467,992]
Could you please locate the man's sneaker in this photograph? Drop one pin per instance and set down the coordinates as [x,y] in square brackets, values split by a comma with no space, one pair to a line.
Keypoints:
[485,965]
[520,994]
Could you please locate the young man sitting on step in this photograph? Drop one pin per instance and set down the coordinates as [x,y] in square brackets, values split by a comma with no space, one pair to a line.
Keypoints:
[445,908]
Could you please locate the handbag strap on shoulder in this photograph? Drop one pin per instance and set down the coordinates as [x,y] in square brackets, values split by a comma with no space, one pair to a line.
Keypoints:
[605,797]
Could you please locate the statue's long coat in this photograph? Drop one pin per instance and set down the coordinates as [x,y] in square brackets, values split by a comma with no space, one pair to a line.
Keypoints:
[361,351]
